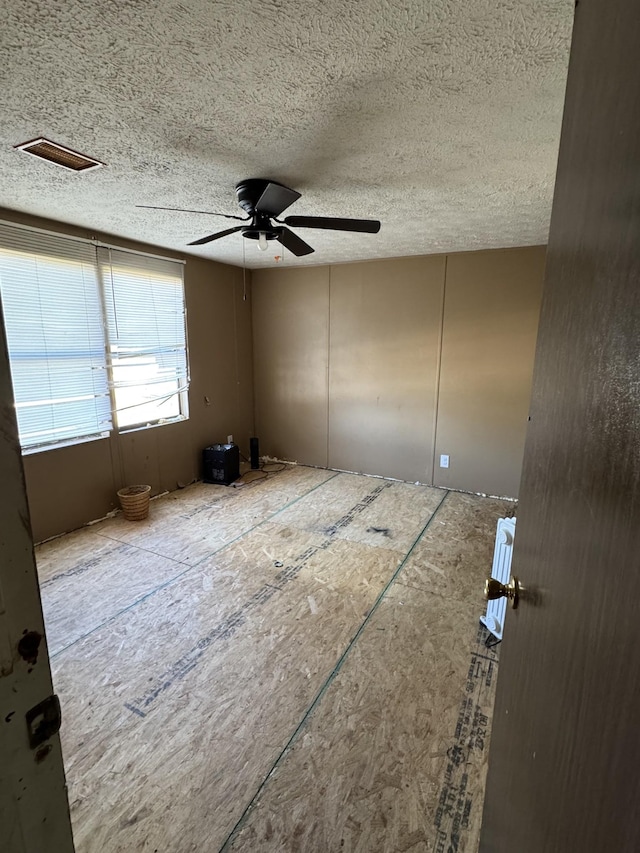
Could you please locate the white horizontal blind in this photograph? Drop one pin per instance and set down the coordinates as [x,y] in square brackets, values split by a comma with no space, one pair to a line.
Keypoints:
[55,333]
[145,315]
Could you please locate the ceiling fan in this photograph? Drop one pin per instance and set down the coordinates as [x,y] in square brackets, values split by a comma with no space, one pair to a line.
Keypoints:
[264,201]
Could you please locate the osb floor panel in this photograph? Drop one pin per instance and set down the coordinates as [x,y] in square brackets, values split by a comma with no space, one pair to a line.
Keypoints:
[295,665]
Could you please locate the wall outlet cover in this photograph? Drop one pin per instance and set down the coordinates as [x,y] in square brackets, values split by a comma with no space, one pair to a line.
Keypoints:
[444,460]
[229,439]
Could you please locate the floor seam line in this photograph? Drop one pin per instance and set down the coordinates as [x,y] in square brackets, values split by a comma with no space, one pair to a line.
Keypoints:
[331,677]
[121,612]
[182,574]
[140,548]
[444,595]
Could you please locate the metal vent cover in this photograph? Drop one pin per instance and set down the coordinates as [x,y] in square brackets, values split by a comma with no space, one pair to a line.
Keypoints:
[45,149]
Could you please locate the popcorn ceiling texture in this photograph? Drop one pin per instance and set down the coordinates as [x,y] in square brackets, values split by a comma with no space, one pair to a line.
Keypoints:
[439,117]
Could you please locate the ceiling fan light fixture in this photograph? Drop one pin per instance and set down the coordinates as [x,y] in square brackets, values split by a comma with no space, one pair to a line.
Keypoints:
[263,243]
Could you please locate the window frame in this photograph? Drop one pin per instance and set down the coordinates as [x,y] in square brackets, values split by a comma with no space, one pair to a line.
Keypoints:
[182,391]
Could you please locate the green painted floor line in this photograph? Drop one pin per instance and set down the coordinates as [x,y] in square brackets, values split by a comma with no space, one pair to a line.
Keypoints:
[242,819]
[167,583]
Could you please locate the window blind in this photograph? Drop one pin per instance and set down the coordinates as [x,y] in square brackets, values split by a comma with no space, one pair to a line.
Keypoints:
[55,332]
[145,319]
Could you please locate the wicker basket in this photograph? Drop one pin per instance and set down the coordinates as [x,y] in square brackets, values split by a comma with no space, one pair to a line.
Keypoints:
[134,501]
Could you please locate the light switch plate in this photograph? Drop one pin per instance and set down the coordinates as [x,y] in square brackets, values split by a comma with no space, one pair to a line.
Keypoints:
[444,460]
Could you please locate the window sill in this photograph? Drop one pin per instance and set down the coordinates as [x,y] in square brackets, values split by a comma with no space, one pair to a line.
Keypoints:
[127,430]
[31,451]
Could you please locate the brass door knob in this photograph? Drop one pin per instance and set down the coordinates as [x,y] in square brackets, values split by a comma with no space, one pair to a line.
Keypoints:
[494,589]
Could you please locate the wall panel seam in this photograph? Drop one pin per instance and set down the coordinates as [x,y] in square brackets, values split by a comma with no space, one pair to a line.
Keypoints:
[253,347]
[436,406]
[234,296]
[328,366]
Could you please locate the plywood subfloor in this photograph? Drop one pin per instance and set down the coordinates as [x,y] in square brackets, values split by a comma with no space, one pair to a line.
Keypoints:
[295,666]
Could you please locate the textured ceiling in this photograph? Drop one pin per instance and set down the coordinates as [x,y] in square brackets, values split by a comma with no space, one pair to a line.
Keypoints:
[441,118]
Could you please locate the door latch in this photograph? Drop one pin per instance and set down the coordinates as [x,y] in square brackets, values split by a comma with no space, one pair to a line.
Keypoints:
[43,721]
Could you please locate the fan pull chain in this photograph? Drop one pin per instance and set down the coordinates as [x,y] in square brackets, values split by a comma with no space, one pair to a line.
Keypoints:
[244,273]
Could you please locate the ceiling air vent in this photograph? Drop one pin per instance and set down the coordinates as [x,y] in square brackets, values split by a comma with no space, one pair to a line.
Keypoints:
[58,154]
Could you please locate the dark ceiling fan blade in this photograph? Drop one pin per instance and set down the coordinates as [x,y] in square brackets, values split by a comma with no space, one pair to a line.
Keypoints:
[275,199]
[293,243]
[364,226]
[184,210]
[216,236]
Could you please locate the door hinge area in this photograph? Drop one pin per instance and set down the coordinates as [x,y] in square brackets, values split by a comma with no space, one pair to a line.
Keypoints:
[43,721]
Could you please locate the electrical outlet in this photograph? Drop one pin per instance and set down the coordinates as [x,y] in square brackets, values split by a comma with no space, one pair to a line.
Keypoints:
[444,460]
[229,439]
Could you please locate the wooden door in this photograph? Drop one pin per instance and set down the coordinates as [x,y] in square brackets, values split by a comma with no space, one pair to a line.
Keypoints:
[564,769]
[34,812]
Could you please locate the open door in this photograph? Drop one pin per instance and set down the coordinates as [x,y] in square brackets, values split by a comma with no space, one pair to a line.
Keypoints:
[564,767]
[34,811]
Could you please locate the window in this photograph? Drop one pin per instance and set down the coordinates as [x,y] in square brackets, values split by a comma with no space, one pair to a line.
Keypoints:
[55,336]
[144,303]
[95,337]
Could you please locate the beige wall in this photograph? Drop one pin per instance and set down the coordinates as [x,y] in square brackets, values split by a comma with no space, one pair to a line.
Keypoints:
[492,306]
[70,486]
[385,321]
[290,328]
[381,366]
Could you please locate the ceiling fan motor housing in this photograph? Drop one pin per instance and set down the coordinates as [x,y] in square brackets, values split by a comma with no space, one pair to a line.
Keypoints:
[249,192]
